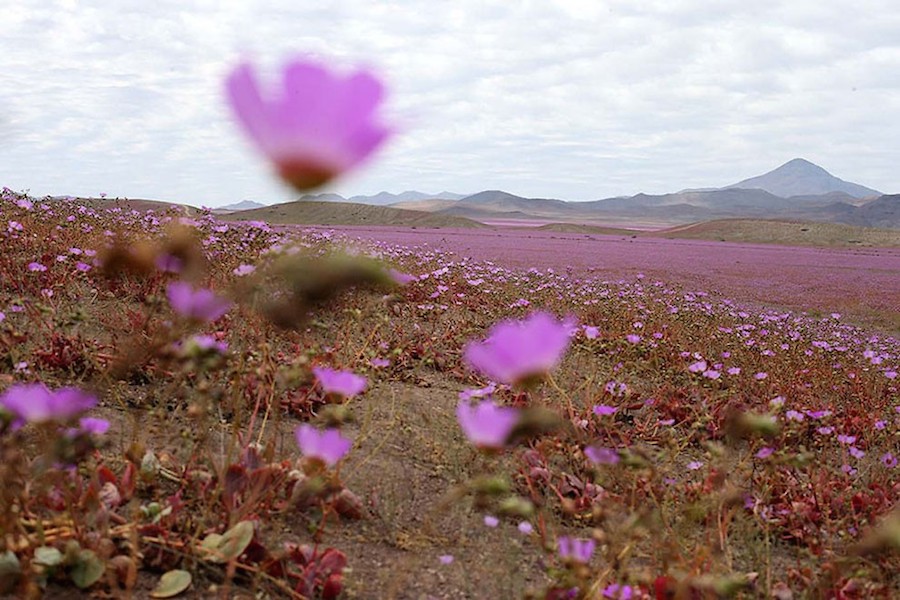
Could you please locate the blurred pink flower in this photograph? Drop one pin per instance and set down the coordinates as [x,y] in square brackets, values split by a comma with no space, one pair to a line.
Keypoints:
[602,456]
[316,125]
[329,446]
[486,425]
[575,549]
[341,383]
[515,351]
[491,520]
[34,403]
[201,304]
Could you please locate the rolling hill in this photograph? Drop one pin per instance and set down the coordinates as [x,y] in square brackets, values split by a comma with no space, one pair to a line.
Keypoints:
[312,212]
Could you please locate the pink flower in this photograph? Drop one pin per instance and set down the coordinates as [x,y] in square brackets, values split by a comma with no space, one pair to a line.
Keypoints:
[202,304]
[515,351]
[602,456]
[604,410]
[36,267]
[525,527]
[341,383]
[889,460]
[242,270]
[34,403]
[486,425]
[697,367]
[765,452]
[575,549]
[317,125]
[329,446]
[591,332]
[633,338]
[491,521]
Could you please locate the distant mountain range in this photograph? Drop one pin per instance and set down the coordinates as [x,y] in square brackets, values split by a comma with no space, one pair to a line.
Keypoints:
[797,190]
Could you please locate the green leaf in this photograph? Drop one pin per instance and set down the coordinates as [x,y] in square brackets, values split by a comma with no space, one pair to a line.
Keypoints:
[230,545]
[235,540]
[171,584]
[48,556]
[87,570]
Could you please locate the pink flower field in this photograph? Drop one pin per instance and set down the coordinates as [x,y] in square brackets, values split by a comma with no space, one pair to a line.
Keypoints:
[863,282]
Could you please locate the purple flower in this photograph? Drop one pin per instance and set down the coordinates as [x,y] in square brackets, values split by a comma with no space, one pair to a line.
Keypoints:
[329,446]
[765,452]
[89,426]
[204,343]
[202,304]
[515,351]
[793,415]
[318,125]
[591,332]
[36,267]
[491,521]
[525,527]
[633,338]
[400,277]
[340,383]
[697,367]
[242,270]
[694,465]
[34,403]
[445,559]
[856,452]
[889,460]
[601,456]
[575,549]
[846,439]
[486,425]
[167,263]
[604,410]
[93,426]
[618,592]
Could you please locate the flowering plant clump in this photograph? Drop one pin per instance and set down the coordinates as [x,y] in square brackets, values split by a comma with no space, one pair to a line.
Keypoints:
[318,125]
[518,351]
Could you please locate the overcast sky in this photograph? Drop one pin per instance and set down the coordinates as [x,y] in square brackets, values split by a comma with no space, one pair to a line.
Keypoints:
[575,99]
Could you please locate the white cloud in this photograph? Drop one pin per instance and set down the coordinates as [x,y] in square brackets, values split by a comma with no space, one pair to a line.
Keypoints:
[577,99]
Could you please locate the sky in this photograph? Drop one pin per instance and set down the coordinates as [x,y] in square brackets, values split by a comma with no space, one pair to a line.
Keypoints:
[572,99]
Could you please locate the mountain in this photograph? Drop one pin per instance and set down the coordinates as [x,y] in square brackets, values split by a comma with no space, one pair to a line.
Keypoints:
[386,198]
[242,205]
[799,177]
[881,212]
[323,198]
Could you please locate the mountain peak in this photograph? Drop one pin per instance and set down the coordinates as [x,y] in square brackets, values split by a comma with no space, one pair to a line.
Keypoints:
[800,177]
